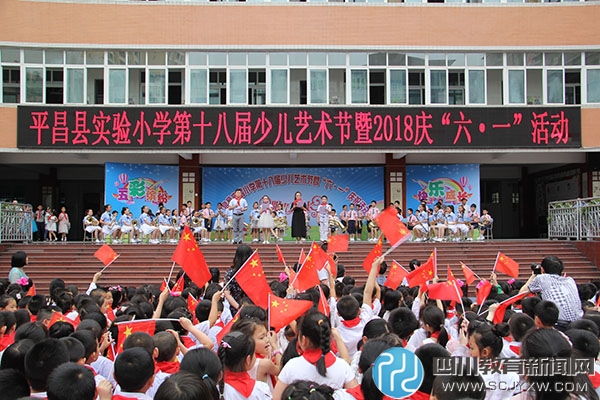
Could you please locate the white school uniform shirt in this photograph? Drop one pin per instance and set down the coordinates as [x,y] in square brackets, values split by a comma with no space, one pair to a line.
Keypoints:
[130,395]
[261,391]
[351,336]
[104,367]
[500,386]
[298,369]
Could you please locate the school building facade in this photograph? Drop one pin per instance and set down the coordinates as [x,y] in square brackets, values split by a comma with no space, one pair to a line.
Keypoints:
[512,86]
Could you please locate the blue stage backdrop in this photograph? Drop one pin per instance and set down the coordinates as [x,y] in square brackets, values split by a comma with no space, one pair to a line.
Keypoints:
[449,183]
[136,185]
[342,186]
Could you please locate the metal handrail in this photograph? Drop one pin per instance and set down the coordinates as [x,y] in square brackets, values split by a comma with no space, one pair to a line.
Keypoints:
[574,219]
[16,222]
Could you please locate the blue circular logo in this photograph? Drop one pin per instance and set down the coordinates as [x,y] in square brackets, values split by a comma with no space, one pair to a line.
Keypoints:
[398,373]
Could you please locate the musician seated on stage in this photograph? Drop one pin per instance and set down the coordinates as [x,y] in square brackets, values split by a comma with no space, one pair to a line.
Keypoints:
[91,225]
[108,222]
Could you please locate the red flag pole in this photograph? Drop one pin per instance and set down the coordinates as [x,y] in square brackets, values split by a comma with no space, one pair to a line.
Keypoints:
[108,265]
[269,312]
[171,273]
[496,262]
[459,296]
[474,273]
[238,271]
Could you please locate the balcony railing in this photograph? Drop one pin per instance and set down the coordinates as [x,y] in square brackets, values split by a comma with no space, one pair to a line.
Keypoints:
[574,219]
[16,220]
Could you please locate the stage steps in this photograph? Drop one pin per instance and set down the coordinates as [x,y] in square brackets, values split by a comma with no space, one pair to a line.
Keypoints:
[75,263]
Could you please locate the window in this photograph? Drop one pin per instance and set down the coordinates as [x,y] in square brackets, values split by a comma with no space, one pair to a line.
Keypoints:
[476,87]
[156,86]
[75,85]
[237,86]
[377,86]
[257,86]
[116,86]
[416,87]
[593,85]
[398,86]
[279,86]
[11,80]
[358,81]
[198,86]
[438,87]
[176,94]
[572,87]
[554,86]
[34,85]
[318,86]
[456,87]
[516,86]
[54,86]
[217,89]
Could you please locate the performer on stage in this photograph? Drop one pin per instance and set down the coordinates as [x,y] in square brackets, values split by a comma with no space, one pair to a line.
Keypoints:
[298,218]
[238,206]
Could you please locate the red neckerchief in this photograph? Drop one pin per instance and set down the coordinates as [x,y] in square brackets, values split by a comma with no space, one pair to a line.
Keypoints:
[220,323]
[356,392]
[168,367]
[351,323]
[121,397]
[7,340]
[33,318]
[515,349]
[240,381]
[187,341]
[313,355]
[404,342]
[435,335]
[595,379]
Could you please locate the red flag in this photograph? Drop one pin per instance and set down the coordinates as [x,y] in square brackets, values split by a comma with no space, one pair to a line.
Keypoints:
[279,255]
[253,282]
[302,257]
[451,277]
[31,291]
[188,255]
[483,291]
[337,243]
[191,305]
[506,265]
[375,252]
[423,273]
[179,286]
[307,276]
[323,303]
[284,311]
[106,255]
[394,230]
[395,276]
[501,310]
[110,314]
[443,291]
[110,352]
[163,285]
[468,273]
[227,328]
[57,316]
[127,328]
[322,258]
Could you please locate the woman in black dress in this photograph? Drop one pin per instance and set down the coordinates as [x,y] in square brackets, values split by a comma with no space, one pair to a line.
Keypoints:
[298,218]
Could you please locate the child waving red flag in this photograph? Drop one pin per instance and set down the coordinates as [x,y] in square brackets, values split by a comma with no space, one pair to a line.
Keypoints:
[394,230]
[506,265]
[188,255]
[251,278]
[395,276]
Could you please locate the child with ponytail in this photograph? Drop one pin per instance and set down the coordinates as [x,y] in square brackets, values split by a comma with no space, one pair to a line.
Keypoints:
[237,356]
[317,363]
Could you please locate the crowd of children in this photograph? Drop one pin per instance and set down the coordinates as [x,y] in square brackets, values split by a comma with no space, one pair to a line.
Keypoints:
[84,345]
